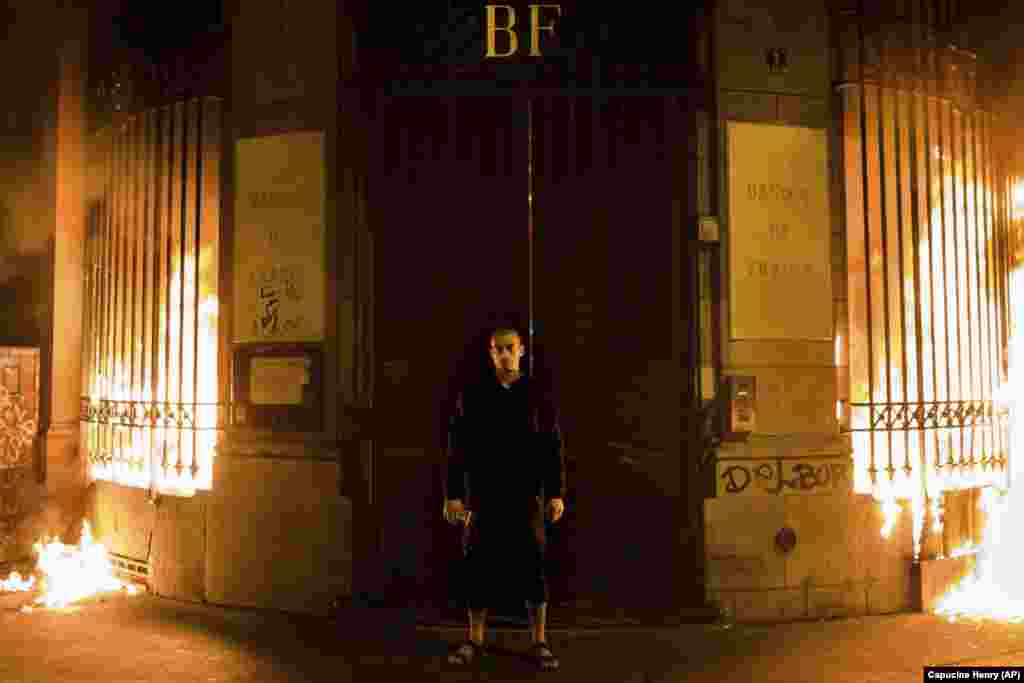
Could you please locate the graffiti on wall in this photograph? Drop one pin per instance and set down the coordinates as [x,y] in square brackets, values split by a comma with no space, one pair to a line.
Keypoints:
[279,290]
[783,476]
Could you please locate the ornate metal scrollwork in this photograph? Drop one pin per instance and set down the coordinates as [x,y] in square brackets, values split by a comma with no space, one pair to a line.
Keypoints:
[929,415]
[18,430]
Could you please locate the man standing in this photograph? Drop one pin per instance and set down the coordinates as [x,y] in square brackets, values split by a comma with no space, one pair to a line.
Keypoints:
[505,439]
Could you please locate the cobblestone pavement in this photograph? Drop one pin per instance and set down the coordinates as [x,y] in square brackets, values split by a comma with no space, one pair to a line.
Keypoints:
[123,639]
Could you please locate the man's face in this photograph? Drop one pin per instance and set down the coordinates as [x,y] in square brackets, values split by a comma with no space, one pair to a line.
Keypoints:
[506,352]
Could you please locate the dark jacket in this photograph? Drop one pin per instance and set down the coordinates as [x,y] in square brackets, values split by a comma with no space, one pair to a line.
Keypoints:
[504,444]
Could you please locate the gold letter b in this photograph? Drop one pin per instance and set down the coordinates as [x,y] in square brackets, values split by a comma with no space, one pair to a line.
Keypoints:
[492,28]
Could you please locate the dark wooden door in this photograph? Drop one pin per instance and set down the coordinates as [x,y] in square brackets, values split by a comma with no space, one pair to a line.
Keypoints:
[448,196]
[607,277]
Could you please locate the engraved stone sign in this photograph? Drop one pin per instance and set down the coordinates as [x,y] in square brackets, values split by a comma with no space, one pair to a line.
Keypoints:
[279,263]
[779,231]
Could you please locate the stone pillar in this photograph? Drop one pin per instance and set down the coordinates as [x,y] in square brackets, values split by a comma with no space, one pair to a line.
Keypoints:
[279,463]
[65,470]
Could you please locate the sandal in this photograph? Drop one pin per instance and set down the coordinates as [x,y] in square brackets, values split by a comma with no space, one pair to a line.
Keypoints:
[544,657]
[465,652]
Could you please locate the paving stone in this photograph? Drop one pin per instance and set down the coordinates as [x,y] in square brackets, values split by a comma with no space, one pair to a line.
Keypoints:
[123,638]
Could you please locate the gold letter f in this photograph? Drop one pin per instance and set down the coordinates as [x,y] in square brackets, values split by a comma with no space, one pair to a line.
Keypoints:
[536,27]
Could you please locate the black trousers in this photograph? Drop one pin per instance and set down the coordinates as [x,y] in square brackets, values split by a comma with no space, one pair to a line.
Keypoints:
[504,564]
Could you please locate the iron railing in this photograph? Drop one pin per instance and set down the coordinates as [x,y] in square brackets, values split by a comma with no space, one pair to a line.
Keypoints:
[150,413]
[927,186]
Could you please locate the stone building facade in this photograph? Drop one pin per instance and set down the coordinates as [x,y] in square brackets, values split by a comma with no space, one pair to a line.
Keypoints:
[294,223]
[877,433]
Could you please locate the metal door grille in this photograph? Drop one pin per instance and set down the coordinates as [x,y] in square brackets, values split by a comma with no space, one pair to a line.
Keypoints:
[150,412]
[927,220]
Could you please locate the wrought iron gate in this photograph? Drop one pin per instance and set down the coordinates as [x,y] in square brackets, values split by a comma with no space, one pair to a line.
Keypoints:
[927,215]
[150,413]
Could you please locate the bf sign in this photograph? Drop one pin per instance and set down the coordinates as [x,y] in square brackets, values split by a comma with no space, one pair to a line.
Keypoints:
[508,27]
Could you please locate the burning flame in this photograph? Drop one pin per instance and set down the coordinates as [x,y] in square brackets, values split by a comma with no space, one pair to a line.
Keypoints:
[162,457]
[70,573]
[994,589]
[891,511]
[15,583]
[917,467]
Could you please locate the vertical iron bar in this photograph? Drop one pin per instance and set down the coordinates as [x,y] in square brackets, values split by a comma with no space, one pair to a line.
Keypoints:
[118,320]
[173,111]
[210,240]
[85,399]
[955,142]
[110,295]
[929,196]
[982,294]
[138,126]
[120,268]
[124,344]
[898,154]
[978,433]
[145,317]
[95,329]
[986,203]
[884,229]
[108,300]
[159,207]
[1006,256]
[999,225]
[990,275]
[862,55]
[91,215]
[183,237]
[198,184]
[997,272]
[918,99]
[124,305]
[1003,224]
[970,241]
[945,271]
[1006,264]
[122,302]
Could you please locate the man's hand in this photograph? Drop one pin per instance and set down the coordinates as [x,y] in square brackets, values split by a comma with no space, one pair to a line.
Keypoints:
[555,509]
[453,508]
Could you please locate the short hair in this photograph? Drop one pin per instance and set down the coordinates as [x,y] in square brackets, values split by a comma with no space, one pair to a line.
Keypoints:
[503,331]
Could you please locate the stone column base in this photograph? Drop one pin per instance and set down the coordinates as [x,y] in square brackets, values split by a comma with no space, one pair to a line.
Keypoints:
[65,489]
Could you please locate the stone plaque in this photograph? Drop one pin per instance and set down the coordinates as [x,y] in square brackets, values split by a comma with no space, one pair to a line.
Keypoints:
[784,476]
[779,231]
[279,238]
[278,381]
